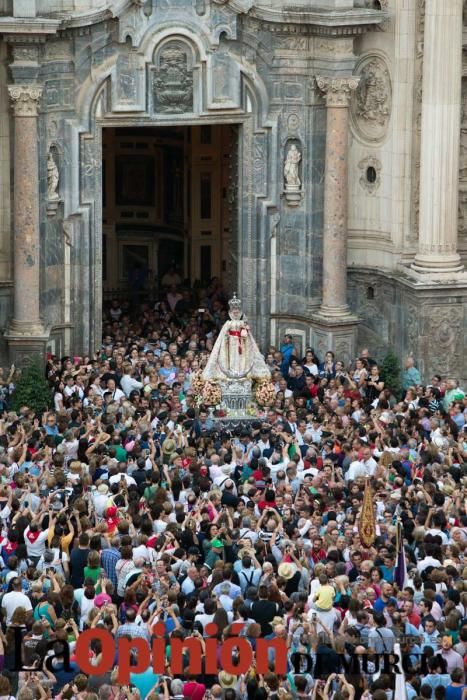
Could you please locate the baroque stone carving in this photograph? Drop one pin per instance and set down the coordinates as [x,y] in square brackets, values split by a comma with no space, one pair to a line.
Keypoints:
[369,184]
[293,122]
[52,178]
[25,54]
[291,167]
[275,221]
[371,106]
[173,81]
[293,184]
[413,334]
[445,339]
[338,90]
[25,99]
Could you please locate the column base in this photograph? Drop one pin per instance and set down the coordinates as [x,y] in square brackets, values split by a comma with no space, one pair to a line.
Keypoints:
[438,264]
[336,333]
[335,312]
[26,341]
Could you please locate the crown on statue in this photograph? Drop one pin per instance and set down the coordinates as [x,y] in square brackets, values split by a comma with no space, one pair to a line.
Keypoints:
[235,303]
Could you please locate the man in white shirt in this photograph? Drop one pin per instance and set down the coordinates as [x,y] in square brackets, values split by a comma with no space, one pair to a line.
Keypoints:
[188,585]
[355,470]
[129,383]
[369,463]
[35,540]
[117,394]
[116,478]
[282,386]
[15,599]
[428,561]
[100,499]
[315,431]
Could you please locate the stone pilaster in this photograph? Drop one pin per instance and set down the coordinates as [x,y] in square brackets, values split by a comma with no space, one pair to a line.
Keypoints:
[439,162]
[26,334]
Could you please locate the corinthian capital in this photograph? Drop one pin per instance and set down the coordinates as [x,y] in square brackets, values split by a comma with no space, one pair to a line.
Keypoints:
[25,99]
[338,90]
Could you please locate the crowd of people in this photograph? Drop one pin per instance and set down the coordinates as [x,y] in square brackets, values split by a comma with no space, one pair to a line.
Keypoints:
[128,503]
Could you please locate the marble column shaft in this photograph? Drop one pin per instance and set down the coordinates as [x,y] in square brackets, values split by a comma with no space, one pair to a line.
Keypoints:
[439,160]
[26,316]
[338,92]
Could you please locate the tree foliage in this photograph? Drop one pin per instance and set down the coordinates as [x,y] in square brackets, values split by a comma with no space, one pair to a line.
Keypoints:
[32,389]
[391,373]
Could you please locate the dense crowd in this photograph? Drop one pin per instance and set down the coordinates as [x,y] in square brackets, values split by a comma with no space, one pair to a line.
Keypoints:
[128,503]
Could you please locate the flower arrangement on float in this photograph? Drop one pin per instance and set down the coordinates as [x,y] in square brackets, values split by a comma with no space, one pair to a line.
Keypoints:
[265,393]
[211,394]
[197,382]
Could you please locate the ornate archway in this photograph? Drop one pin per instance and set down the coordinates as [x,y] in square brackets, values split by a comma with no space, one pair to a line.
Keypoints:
[173,77]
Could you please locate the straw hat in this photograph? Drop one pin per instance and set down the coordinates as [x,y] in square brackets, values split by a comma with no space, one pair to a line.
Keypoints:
[227,680]
[168,446]
[286,571]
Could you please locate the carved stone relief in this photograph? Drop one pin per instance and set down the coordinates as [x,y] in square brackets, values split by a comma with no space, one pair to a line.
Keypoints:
[293,122]
[292,43]
[173,79]
[412,329]
[371,103]
[370,179]
[127,80]
[445,340]
[25,54]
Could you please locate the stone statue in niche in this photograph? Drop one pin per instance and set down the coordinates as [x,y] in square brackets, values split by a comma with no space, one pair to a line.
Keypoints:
[52,178]
[173,82]
[292,161]
[293,184]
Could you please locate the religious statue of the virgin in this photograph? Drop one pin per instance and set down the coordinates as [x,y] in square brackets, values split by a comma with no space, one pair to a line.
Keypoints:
[235,354]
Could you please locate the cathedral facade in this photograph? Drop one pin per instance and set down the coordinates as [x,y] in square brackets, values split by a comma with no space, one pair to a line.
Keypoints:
[312,155]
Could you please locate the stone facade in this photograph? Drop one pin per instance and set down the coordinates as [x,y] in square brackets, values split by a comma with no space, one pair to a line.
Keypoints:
[343,251]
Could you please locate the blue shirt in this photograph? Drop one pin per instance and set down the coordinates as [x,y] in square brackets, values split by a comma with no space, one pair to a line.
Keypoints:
[109,559]
[454,693]
[410,377]
[436,679]
[388,574]
[379,604]
[144,681]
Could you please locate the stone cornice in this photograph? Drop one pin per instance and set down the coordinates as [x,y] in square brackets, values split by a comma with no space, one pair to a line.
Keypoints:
[289,20]
[322,22]
[337,90]
[28,28]
[25,99]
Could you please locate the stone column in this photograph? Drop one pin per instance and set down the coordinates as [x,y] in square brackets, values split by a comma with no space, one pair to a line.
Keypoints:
[338,92]
[25,332]
[439,161]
